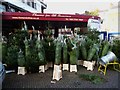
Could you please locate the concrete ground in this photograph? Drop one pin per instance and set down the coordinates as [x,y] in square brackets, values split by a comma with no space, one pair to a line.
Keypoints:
[69,80]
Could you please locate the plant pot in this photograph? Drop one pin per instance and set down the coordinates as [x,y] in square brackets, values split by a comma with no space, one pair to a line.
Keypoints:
[66,67]
[57,72]
[73,68]
[21,70]
[41,68]
[89,64]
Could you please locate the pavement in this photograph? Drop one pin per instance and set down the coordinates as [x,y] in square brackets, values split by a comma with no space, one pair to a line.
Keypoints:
[69,80]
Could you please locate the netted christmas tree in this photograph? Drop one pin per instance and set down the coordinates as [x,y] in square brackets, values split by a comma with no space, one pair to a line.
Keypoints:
[58,50]
[65,52]
[21,59]
[40,51]
[73,52]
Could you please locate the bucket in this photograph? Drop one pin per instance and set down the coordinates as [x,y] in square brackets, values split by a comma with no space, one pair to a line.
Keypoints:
[108,58]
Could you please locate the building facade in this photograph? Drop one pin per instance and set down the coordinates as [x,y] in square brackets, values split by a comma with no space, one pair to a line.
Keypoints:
[110,18]
[34,6]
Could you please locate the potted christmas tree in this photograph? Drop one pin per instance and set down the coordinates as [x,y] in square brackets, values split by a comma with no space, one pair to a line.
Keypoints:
[40,54]
[57,72]
[65,56]
[21,63]
[73,54]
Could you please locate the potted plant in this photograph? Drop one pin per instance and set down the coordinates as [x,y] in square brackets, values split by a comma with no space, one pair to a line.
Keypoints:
[65,56]
[21,63]
[73,55]
[57,72]
[40,54]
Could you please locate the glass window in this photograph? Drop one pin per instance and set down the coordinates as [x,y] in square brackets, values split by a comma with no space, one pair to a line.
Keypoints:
[35,6]
[12,10]
[23,1]
[28,2]
[2,8]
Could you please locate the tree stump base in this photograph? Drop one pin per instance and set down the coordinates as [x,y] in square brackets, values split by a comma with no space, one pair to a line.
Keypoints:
[66,67]
[21,70]
[57,72]
[41,68]
[90,65]
[73,68]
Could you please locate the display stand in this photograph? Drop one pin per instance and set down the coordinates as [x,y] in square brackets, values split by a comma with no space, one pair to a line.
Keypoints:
[41,68]
[57,72]
[73,68]
[66,67]
[21,70]
[90,65]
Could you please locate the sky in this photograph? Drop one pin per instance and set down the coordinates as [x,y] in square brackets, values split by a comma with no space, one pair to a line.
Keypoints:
[76,6]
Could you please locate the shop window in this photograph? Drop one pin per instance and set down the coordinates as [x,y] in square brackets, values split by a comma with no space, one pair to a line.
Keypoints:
[35,6]
[29,2]
[23,1]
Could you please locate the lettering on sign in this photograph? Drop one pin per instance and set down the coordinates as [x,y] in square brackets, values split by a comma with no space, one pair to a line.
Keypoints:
[26,18]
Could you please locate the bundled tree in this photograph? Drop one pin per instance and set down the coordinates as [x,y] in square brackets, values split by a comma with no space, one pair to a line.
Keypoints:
[12,57]
[73,52]
[40,51]
[21,59]
[4,49]
[65,52]
[58,51]
[49,46]
[116,47]
[27,54]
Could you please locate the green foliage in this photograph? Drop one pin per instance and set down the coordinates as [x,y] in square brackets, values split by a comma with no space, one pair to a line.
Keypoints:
[49,48]
[83,51]
[58,53]
[92,13]
[90,44]
[93,35]
[73,57]
[21,59]
[48,33]
[12,56]
[40,52]
[92,52]
[105,48]
[4,51]
[116,48]
[95,79]
[70,45]
[65,54]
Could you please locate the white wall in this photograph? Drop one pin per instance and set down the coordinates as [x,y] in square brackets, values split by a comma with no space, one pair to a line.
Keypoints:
[20,4]
[110,20]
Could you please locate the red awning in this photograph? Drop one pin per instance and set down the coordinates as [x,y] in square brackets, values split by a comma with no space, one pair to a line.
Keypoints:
[45,16]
